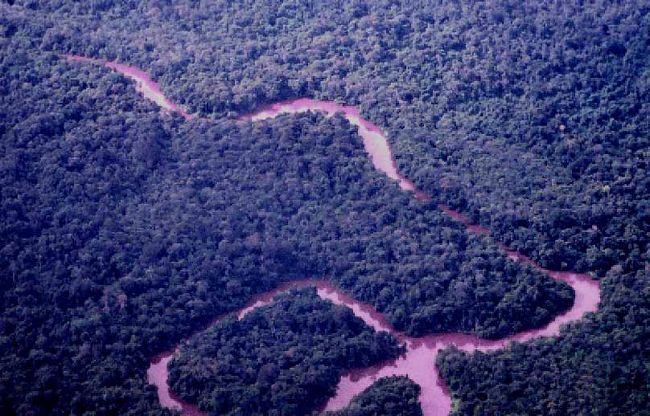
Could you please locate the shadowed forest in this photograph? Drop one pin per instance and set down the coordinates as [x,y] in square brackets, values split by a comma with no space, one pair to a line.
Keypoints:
[125,229]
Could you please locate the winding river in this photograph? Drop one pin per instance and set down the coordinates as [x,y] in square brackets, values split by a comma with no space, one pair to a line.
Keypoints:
[418,362]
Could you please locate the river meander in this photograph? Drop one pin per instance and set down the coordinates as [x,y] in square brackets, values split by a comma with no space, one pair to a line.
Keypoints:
[418,362]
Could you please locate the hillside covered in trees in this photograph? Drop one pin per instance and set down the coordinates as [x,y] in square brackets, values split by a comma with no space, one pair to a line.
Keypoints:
[124,229]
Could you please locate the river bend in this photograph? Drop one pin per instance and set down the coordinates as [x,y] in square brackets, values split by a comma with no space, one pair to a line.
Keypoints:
[418,362]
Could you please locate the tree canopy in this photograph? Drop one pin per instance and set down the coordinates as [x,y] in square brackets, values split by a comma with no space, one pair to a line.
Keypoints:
[124,229]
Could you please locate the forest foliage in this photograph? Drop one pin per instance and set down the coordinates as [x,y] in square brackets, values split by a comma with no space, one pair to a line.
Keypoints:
[282,359]
[600,364]
[395,396]
[530,117]
[126,229]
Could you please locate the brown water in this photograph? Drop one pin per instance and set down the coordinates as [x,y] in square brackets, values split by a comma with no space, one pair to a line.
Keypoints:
[418,362]
[143,83]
